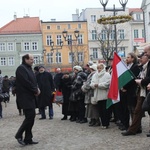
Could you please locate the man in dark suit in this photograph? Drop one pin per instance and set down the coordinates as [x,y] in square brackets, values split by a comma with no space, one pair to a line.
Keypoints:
[26,92]
[135,127]
[128,92]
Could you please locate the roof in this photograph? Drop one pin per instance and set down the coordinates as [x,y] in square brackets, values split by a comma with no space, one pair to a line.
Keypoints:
[134,10]
[26,25]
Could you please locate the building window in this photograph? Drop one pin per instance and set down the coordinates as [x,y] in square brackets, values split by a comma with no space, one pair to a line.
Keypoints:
[143,33]
[58,27]
[93,18]
[121,53]
[2,47]
[48,27]
[26,46]
[10,46]
[112,35]
[58,57]
[50,58]
[49,40]
[69,26]
[136,34]
[3,61]
[79,26]
[121,34]
[71,57]
[11,61]
[58,39]
[69,37]
[80,57]
[101,16]
[94,36]
[95,53]
[36,60]
[138,16]
[80,39]
[103,35]
[34,46]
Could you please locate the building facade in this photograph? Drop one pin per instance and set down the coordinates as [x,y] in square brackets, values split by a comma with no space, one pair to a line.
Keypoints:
[146,12]
[72,52]
[97,31]
[19,37]
[137,27]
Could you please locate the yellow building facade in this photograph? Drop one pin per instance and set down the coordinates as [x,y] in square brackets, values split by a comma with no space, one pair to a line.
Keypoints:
[74,51]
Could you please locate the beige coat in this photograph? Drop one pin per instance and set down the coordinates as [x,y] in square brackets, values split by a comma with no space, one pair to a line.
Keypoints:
[103,81]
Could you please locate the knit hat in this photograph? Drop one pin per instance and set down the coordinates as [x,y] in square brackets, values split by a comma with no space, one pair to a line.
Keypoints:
[94,67]
[79,68]
[41,67]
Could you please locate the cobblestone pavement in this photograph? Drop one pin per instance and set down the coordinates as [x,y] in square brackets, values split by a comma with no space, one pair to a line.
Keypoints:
[65,135]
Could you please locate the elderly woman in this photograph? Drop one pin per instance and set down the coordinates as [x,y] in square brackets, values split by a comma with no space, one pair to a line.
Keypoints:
[100,83]
[91,110]
[77,106]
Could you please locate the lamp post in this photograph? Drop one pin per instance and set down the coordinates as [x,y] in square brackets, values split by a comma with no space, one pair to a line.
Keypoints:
[70,40]
[56,48]
[114,10]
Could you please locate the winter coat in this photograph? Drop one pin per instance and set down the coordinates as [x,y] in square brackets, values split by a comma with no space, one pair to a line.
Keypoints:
[77,84]
[57,80]
[1,83]
[26,87]
[103,80]
[6,86]
[46,86]
[65,87]
[86,88]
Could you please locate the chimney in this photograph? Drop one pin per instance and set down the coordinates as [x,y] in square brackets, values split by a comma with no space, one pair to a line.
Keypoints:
[15,16]
[53,20]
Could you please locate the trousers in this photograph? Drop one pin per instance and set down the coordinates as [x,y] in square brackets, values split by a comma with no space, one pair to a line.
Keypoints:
[27,125]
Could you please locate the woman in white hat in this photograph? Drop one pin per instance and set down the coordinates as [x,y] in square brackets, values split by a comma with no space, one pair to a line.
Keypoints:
[100,83]
[91,110]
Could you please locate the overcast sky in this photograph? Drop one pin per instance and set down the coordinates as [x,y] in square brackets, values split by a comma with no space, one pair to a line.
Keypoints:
[48,9]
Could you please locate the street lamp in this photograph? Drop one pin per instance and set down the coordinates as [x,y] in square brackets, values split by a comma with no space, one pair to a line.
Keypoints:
[56,48]
[114,10]
[70,40]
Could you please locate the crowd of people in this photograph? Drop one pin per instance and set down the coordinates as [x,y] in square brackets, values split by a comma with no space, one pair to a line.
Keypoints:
[84,95]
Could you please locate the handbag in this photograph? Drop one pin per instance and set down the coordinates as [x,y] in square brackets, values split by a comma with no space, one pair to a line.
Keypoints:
[93,98]
[58,97]
[146,103]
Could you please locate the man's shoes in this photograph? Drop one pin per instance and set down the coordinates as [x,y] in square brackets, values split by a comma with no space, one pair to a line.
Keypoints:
[30,142]
[83,121]
[50,117]
[148,134]
[20,141]
[127,133]
[122,128]
[139,131]
[42,118]
[64,118]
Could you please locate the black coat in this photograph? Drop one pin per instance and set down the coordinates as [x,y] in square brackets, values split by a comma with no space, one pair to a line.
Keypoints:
[26,87]
[65,87]
[131,86]
[46,86]
[57,80]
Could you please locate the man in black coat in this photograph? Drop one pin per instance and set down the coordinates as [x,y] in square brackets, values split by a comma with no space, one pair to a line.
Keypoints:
[128,95]
[26,92]
[46,86]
